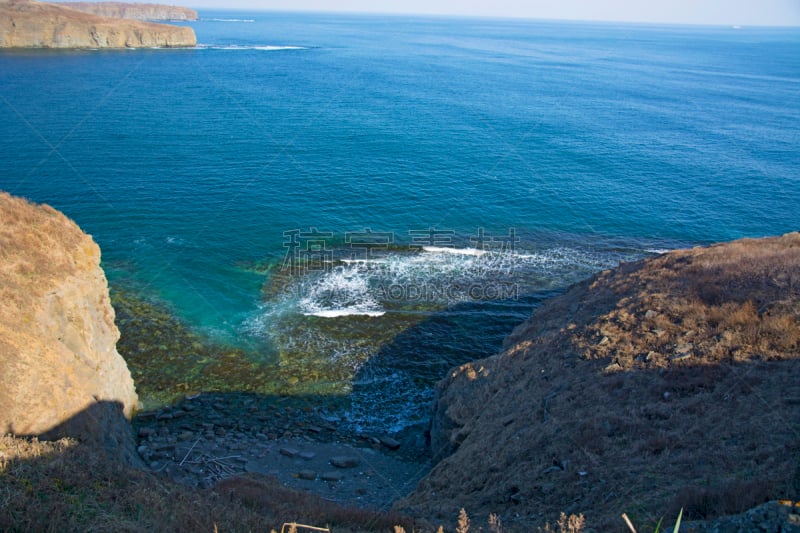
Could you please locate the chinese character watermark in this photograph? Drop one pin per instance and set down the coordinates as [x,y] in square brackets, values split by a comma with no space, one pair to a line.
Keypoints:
[307,251]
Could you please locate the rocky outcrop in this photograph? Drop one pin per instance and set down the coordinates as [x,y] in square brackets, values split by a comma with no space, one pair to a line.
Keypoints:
[28,24]
[125,10]
[663,384]
[60,373]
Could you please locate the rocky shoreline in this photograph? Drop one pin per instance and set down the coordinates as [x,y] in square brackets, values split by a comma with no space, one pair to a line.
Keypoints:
[213,436]
[660,386]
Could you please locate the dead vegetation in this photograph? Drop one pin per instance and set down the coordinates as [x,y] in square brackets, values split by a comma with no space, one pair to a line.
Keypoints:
[663,384]
[268,496]
[65,486]
[727,303]
[38,245]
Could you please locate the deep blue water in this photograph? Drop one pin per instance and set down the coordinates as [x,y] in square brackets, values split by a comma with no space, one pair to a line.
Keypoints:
[587,143]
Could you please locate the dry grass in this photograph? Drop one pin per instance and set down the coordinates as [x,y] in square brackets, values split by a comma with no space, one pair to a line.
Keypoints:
[566,524]
[665,383]
[270,497]
[53,306]
[38,246]
[39,249]
[37,242]
[65,486]
[729,303]
[706,321]
[719,500]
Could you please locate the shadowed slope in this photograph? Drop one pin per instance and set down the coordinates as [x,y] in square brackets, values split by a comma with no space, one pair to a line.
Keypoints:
[663,383]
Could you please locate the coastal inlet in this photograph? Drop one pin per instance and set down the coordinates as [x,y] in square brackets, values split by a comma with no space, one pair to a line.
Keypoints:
[366,340]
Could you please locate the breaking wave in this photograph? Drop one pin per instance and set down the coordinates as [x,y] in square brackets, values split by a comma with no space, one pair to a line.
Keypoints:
[265,47]
[226,20]
[387,327]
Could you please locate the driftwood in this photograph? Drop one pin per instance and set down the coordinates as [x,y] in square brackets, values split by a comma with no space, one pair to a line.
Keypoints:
[187,453]
[294,527]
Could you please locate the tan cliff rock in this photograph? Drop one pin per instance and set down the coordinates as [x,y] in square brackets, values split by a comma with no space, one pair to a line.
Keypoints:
[136,11]
[60,372]
[668,383]
[29,24]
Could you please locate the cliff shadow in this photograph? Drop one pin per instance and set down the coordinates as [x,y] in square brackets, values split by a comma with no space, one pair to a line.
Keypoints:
[395,389]
[78,476]
[101,426]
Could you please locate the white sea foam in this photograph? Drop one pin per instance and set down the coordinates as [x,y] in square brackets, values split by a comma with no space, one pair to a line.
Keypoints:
[364,262]
[271,48]
[336,313]
[226,20]
[340,292]
[437,277]
[264,47]
[313,315]
[440,276]
[658,251]
[455,251]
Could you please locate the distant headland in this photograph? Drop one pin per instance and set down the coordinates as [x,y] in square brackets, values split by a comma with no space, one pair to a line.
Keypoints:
[135,11]
[30,24]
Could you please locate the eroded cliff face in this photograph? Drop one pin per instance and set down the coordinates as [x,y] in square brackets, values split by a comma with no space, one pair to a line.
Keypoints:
[60,372]
[663,384]
[28,24]
[134,11]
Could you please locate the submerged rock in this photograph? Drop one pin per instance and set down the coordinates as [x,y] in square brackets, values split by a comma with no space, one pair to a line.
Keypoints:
[344,462]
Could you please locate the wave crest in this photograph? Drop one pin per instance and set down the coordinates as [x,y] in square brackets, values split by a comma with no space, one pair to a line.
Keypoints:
[226,20]
[240,47]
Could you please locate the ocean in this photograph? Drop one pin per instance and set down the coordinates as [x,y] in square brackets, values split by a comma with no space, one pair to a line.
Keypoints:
[358,202]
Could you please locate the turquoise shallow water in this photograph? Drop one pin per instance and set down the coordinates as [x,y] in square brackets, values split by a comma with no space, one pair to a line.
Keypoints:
[587,143]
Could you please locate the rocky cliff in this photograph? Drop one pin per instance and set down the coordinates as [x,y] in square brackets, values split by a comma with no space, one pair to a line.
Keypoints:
[125,10]
[60,373]
[28,24]
[663,384]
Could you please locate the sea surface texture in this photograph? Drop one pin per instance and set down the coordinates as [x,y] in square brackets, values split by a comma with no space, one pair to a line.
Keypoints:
[358,203]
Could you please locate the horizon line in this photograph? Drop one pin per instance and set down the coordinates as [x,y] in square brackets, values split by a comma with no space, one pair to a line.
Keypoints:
[499,16]
[732,25]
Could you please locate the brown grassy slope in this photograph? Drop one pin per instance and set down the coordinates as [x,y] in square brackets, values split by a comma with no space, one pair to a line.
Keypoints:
[40,248]
[133,10]
[40,240]
[669,382]
[30,24]
[57,332]
[65,486]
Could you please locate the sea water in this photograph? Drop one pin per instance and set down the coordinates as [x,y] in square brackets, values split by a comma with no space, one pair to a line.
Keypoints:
[361,202]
